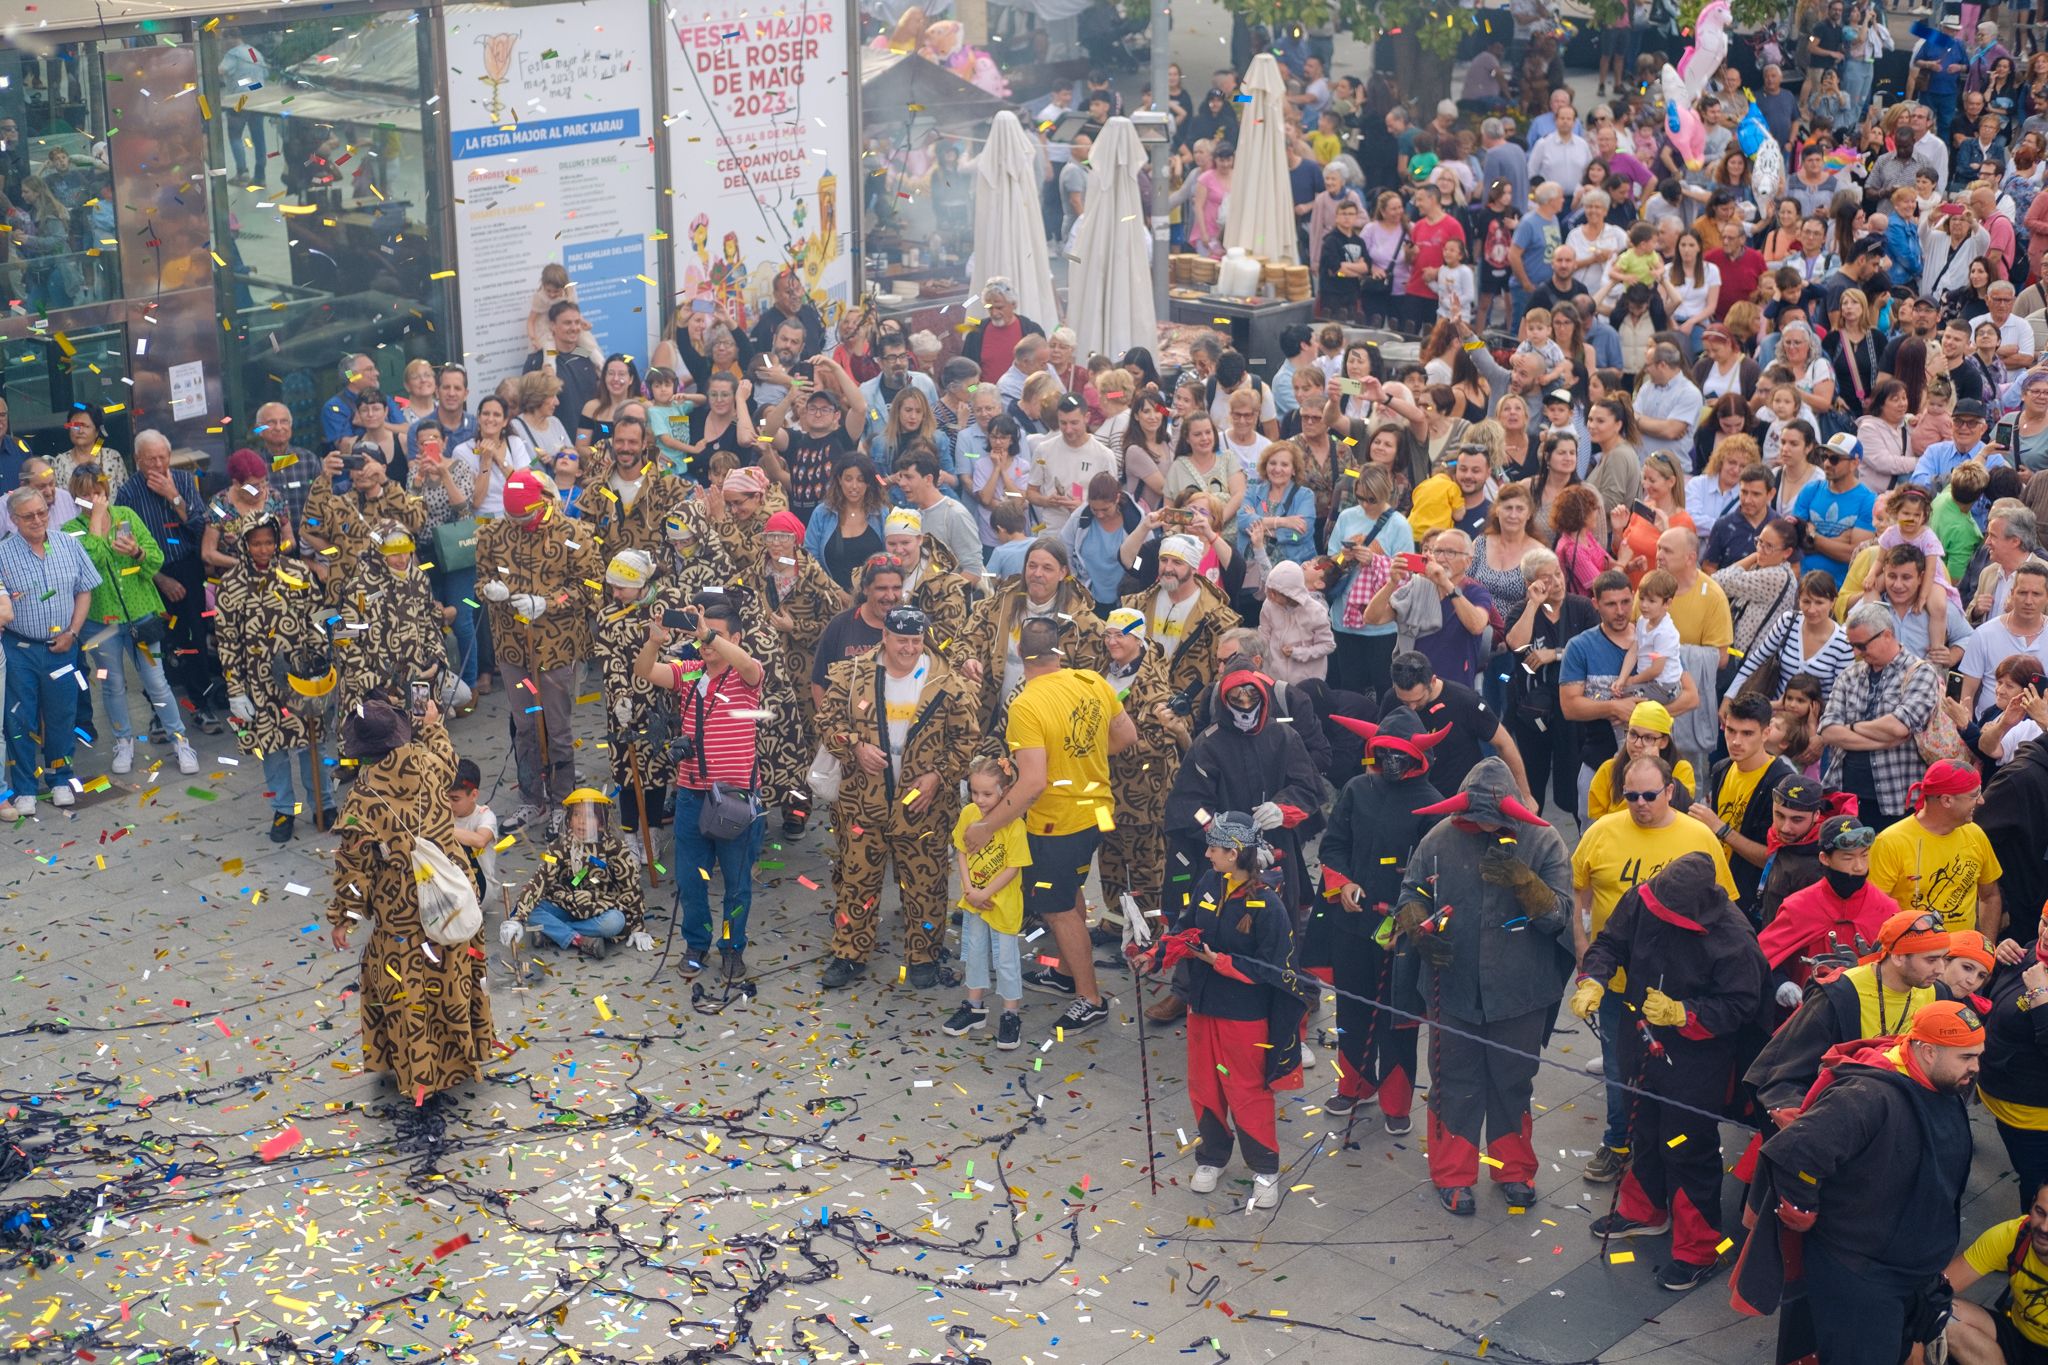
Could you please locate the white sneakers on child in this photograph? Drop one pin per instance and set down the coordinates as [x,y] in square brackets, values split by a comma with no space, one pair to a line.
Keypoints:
[1205,1179]
[1265,1191]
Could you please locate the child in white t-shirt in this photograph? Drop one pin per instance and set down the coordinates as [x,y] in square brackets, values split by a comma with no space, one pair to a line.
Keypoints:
[1652,665]
[476,827]
[1457,285]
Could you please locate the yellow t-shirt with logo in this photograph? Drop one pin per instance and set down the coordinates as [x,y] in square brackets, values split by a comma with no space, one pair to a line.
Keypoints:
[1991,1254]
[1010,847]
[1737,790]
[1067,714]
[1923,871]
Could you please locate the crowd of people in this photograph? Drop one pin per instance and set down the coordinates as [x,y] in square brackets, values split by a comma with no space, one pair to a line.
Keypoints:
[1727,564]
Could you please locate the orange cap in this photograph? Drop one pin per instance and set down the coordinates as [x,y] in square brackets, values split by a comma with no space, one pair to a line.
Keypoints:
[1947,1023]
[1908,932]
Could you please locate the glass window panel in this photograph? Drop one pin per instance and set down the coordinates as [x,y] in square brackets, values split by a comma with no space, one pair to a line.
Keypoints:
[60,249]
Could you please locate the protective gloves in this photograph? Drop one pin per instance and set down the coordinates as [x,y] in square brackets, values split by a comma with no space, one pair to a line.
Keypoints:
[529,605]
[642,941]
[1587,997]
[1661,1010]
[1498,866]
[1267,815]
[511,931]
[1789,995]
[493,591]
[242,709]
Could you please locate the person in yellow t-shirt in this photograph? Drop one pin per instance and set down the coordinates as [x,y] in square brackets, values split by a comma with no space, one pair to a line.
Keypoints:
[2015,1330]
[1616,853]
[1063,726]
[1649,736]
[1437,502]
[1937,859]
[990,887]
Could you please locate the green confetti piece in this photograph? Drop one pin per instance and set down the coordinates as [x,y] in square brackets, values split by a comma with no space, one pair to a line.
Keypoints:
[202,794]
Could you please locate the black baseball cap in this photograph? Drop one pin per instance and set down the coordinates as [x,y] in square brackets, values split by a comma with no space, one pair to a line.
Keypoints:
[1800,793]
[467,778]
[906,621]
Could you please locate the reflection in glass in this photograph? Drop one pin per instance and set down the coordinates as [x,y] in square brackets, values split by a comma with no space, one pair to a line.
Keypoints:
[56,199]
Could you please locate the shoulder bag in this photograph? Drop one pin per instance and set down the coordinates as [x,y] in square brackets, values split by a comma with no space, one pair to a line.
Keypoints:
[148,631]
[455,545]
[449,911]
[1726,679]
[727,811]
[1940,739]
[1767,680]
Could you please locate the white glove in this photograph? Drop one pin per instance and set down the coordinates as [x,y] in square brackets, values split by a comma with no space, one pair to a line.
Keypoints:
[511,931]
[1266,815]
[493,591]
[1789,995]
[242,709]
[642,941]
[622,712]
[529,606]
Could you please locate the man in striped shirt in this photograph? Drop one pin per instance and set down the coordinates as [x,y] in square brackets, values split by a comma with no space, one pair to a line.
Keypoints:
[49,582]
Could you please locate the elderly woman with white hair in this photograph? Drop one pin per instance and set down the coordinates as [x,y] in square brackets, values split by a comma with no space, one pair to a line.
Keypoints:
[1595,242]
[48,579]
[993,344]
[1950,238]
[1813,375]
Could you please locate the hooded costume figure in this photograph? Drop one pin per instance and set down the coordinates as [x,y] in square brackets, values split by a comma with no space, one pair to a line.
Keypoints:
[932,581]
[2014,813]
[1697,987]
[1245,761]
[800,599]
[1350,941]
[1234,945]
[1486,905]
[386,625]
[1132,856]
[1857,1206]
[587,891]
[638,712]
[266,610]
[426,1013]
[1837,913]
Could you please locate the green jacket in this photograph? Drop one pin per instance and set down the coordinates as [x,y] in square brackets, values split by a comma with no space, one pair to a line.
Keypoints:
[127,590]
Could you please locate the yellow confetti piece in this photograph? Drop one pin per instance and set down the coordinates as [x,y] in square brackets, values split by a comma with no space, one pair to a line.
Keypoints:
[296,1305]
[442,275]
[205,109]
[1622,1258]
[1721,1248]
[1675,1141]
[1490,1161]
[604,1009]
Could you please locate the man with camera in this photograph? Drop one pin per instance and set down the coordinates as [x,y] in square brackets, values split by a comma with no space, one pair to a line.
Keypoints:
[903,726]
[352,495]
[718,813]
[1185,615]
[537,572]
[169,502]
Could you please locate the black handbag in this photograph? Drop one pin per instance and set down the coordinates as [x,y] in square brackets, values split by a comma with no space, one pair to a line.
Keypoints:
[727,811]
[148,631]
[1381,285]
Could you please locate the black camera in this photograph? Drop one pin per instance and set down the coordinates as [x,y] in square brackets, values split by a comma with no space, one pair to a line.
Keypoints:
[1182,703]
[680,618]
[683,749]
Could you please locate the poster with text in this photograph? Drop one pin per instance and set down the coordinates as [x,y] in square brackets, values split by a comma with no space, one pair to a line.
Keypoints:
[761,144]
[551,143]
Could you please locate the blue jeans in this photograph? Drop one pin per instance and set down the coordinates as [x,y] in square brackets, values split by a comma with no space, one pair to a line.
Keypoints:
[1943,107]
[107,657]
[457,588]
[39,706]
[1856,81]
[978,945]
[694,858]
[550,923]
[1614,1021]
[277,775]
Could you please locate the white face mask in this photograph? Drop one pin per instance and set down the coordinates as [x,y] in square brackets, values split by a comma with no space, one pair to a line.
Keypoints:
[1245,720]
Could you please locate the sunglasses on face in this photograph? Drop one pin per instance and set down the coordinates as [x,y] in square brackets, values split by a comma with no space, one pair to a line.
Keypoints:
[1861,645]
[1642,798]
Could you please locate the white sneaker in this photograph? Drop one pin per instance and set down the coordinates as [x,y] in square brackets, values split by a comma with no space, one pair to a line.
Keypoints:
[188,760]
[1308,1057]
[61,794]
[24,807]
[1205,1179]
[1596,1065]
[124,755]
[1265,1191]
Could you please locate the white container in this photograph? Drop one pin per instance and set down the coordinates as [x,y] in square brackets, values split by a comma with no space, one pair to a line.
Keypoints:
[1238,276]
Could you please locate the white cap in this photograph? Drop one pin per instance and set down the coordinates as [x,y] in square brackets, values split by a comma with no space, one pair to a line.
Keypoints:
[1186,549]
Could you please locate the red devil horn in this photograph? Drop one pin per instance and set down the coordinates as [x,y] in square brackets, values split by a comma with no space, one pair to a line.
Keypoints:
[1430,739]
[1364,729]
[1450,805]
[1521,812]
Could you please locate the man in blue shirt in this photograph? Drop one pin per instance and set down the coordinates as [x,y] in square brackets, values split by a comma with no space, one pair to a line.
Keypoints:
[1536,241]
[1838,508]
[50,578]
[1941,60]
[338,414]
[1587,675]
[896,376]
[1941,458]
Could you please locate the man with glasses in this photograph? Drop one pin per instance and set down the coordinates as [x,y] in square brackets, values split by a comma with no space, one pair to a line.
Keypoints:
[1454,648]
[1937,859]
[896,376]
[49,581]
[1839,508]
[1969,444]
[1617,853]
[1880,702]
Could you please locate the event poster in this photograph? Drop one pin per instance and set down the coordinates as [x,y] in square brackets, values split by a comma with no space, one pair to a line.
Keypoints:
[551,123]
[761,147]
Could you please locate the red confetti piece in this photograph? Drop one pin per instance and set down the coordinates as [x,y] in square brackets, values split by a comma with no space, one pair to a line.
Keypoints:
[806,883]
[222,1025]
[281,1144]
[451,1246]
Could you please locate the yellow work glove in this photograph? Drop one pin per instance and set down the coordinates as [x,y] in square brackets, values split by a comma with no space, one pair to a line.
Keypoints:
[1586,998]
[1661,1010]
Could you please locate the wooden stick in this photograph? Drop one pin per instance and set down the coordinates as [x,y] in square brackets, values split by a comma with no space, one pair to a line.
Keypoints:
[640,800]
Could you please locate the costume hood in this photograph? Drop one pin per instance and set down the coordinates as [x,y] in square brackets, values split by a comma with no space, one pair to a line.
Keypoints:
[1400,733]
[1488,796]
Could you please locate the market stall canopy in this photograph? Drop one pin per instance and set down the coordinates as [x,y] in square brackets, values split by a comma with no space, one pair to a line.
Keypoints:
[1009,231]
[1261,199]
[923,94]
[1110,286]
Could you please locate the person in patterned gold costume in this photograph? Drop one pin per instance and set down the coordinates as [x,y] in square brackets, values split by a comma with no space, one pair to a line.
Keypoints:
[386,625]
[901,723]
[587,892]
[801,599]
[538,573]
[987,653]
[338,525]
[638,594]
[627,496]
[426,1012]
[932,581]
[267,610]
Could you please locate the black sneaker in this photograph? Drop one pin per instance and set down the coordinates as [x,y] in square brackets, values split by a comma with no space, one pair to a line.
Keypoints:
[922,976]
[1009,1032]
[1518,1195]
[1051,980]
[841,972]
[690,966]
[1613,1225]
[1679,1276]
[1104,935]
[734,963]
[1399,1125]
[965,1020]
[281,828]
[1607,1166]
[1458,1201]
[1081,1014]
[793,823]
[1340,1104]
